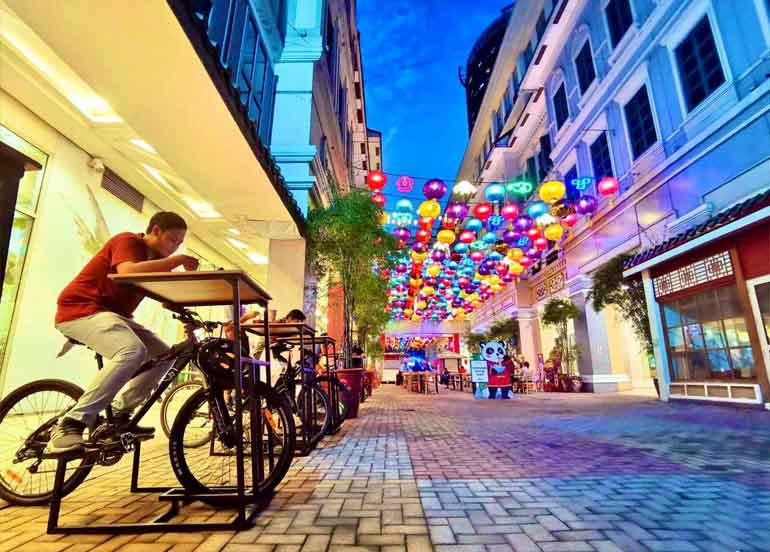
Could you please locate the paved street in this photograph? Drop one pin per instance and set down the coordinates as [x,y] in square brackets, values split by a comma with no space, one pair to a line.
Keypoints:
[539,473]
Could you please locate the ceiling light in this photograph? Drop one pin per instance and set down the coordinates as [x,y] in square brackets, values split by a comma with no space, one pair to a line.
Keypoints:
[158,177]
[234,231]
[256,258]
[237,243]
[201,208]
[138,142]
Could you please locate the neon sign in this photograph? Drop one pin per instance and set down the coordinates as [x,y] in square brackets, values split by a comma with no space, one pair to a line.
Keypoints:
[520,187]
[582,183]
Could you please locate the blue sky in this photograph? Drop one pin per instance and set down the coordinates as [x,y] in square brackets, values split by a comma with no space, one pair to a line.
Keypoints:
[411,52]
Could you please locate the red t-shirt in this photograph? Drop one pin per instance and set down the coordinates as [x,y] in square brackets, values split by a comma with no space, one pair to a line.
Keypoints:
[92,291]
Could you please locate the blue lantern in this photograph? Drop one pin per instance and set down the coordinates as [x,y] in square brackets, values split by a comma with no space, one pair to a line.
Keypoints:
[495,193]
[473,224]
[404,206]
[537,209]
[489,238]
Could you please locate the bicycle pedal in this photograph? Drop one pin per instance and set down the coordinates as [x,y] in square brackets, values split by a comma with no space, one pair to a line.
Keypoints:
[127,441]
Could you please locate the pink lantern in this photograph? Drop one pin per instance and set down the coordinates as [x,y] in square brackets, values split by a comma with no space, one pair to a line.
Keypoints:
[405,184]
[608,186]
[541,244]
[476,256]
[509,211]
[569,220]
[466,236]
[483,211]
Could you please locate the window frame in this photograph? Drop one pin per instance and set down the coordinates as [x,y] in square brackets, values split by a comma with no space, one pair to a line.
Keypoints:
[559,84]
[687,22]
[616,51]
[634,156]
[610,152]
[579,45]
[763,8]
[640,77]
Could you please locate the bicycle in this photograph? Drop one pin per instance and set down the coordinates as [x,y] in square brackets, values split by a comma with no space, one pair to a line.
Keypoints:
[29,414]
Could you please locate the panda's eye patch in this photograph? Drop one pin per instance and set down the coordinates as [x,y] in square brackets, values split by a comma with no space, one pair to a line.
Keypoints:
[490,350]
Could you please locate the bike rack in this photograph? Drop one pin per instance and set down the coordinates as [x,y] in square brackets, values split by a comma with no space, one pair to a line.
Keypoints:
[190,289]
[331,374]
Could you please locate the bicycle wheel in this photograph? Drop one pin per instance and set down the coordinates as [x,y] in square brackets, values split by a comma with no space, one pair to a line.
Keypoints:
[343,396]
[173,402]
[318,421]
[204,469]
[27,417]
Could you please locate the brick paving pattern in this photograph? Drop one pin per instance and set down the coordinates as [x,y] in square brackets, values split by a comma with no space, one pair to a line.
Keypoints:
[539,473]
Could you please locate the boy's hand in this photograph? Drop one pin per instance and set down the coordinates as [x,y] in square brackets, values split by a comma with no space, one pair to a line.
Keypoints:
[189,263]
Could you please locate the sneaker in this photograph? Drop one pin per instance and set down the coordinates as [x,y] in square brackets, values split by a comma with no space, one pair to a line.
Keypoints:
[122,420]
[67,436]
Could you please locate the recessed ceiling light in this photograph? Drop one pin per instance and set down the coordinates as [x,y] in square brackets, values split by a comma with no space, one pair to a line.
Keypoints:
[201,208]
[138,142]
[256,258]
[237,243]
[234,231]
[158,177]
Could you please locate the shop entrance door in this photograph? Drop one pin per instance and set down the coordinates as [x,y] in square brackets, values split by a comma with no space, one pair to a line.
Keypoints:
[759,293]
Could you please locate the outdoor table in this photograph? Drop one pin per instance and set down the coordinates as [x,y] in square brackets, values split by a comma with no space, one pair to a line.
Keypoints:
[178,290]
[295,334]
[423,381]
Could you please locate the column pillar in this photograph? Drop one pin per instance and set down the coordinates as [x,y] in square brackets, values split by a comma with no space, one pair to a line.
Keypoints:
[286,275]
[658,342]
[591,337]
[529,334]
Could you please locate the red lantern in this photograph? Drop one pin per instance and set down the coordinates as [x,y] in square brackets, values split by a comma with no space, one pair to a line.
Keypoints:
[525,261]
[533,233]
[423,235]
[569,220]
[509,211]
[476,256]
[378,199]
[426,223]
[541,244]
[608,186]
[376,180]
[483,211]
[501,268]
[466,236]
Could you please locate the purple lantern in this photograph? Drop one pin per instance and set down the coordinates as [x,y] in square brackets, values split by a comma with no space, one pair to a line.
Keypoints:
[402,234]
[430,281]
[586,205]
[419,247]
[437,255]
[510,236]
[456,211]
[524,223]
[434,189]
[533,253]
[484,270]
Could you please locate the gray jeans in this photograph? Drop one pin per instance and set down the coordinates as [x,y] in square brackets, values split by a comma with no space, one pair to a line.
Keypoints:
[125,346]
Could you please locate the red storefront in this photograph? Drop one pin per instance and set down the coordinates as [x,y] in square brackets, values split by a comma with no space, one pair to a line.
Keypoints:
[708,293]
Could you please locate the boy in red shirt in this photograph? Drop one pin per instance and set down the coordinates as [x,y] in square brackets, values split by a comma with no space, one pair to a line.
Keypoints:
[95,311]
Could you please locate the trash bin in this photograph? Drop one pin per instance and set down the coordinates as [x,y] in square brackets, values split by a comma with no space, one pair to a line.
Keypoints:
[353,379]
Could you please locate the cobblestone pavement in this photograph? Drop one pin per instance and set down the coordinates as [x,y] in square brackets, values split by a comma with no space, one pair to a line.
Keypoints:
[539,473]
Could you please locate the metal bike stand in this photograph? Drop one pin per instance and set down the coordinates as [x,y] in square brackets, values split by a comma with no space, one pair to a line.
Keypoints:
[193,289]
[331,375]
[298,334]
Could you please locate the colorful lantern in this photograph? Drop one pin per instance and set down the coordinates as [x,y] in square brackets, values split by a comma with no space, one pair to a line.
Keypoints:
[473,224]
[402,234]
[586,205]
[423,236]
[404,184]
[376,180]
[552,191]
[553,232]
[429,209]
[523,223]
[537,209]
[456,211]
[495,193]
[569,220]
[434,189]
[404,206]
[515,254]
[378,199]
[608,186]
[509,211]
[446,237]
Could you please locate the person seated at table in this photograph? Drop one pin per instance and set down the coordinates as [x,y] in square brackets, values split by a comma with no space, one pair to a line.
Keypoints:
[525,375]
[97,312]
[444,378]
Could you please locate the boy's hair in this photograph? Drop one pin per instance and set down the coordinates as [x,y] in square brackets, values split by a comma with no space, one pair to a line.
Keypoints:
[295,314]
[166,220]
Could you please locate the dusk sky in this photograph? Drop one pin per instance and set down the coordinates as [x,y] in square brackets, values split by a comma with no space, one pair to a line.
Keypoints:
[411,52]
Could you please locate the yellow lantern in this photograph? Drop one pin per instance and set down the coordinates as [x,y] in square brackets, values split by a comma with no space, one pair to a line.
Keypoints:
[497,287]
[553,232]
[552,191]
[515,254]
[515,269]
[415,282]
[384,218]
[434,270]
[408,313]
[494,279]
[427,290]
[429,208]
[421,305]
[476,304]
[419,256]
[446,236]
[464,294]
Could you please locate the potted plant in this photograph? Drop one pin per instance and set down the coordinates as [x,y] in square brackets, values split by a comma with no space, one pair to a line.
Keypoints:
[558,313]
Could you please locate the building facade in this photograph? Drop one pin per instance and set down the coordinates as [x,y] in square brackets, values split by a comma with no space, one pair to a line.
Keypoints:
[671,98]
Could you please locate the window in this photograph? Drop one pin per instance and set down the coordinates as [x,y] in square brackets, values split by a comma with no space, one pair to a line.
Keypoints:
[544,157]
[532,169]
[542,23]
[641,126]
[699,66]
[322,152]
[569,176]
[529,53]
[707,337]
[499,122]
[560,107]
[330,44]
[24,213]
[619,19]
[584,64]
[363,148]
[600,157]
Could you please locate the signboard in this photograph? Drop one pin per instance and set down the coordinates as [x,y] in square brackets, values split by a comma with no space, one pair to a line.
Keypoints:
[551,280]
[479,372]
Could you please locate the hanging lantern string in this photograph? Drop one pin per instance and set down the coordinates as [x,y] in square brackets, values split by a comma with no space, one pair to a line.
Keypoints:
[426,178]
